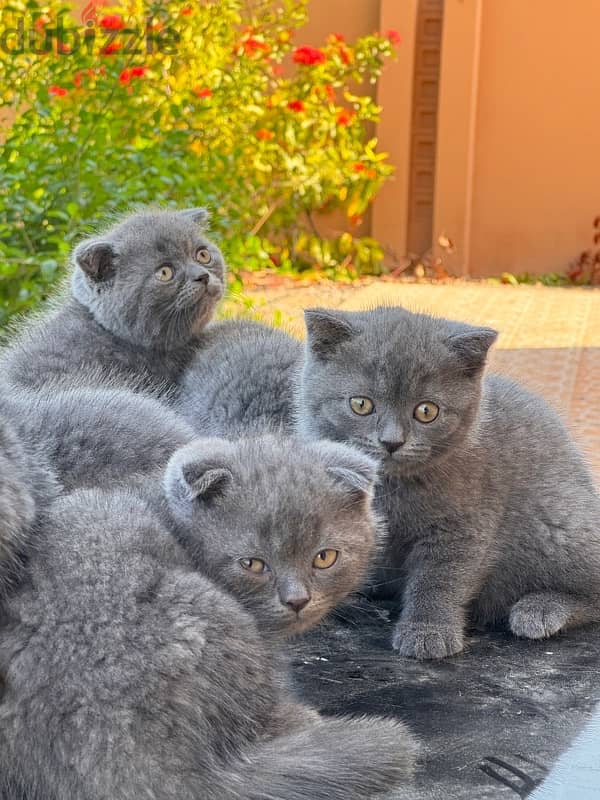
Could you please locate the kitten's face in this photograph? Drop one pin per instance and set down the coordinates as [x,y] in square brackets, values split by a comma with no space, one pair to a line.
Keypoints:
[403,387]
[154,279]
[285,526]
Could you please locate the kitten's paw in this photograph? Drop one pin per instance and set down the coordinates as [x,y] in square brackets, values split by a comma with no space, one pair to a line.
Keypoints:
[293,716]
[425,640]
[538,616]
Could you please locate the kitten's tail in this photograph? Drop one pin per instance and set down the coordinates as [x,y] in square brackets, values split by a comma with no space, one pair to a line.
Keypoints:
[337,759]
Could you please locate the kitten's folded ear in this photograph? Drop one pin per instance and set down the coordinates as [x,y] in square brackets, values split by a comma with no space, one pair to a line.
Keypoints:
[96,258]
[471,345]
[197,472]
[355,472]
[325,330]
[199,216]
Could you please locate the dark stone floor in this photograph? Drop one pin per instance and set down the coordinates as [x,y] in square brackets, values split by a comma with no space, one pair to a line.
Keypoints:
[503,698]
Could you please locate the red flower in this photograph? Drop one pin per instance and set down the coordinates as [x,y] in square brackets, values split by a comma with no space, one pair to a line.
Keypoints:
[330,92]
[125,76]
[186,11]
[111,48]
[296,105]
[345,118]
[252,45]
[394,37]
[358,167]
[57,91]
[112,22]
[202,91]
[346,54]
[77,80]
[61,47]
[309,55]
[264,134]
[41,22]
[138,72]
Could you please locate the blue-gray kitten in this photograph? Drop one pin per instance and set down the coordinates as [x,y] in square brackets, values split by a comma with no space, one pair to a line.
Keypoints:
[140,293]
[492,512]
[128,673]
[240,380]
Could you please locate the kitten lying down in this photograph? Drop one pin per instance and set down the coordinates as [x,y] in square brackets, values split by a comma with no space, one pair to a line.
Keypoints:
[136,666]
[491,509]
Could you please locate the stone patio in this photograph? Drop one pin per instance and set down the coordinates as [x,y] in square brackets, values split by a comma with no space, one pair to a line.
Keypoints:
[549,337]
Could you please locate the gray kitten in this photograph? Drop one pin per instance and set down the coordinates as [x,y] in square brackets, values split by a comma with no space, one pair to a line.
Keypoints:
[27,486]
[130,674]
[240,380]
[140,294]
[492,511]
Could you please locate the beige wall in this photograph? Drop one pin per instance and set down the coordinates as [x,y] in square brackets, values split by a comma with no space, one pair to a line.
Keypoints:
[528,190]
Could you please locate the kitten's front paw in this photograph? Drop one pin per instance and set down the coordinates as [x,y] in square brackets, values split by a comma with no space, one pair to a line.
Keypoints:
[424,640]
[538,616]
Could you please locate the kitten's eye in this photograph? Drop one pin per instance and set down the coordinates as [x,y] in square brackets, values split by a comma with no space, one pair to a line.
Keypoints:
[325,559]
[255,565]
[165,273]
[203,255]
[362,406]
[426,412]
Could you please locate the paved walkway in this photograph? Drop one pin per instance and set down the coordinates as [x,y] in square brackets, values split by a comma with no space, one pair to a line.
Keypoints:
[549,337]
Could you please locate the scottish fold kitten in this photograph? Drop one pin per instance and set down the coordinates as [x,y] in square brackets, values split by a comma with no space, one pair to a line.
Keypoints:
[240,379]
[492,512]
[140,293]
[27,486]
[129,673]
[284,526]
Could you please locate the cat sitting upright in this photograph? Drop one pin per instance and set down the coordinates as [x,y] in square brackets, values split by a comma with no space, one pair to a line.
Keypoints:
[130,672]
[140,293]
[492,511]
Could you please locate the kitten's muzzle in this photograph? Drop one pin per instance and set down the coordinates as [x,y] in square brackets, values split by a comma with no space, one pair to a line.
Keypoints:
[198,274]
[293,595]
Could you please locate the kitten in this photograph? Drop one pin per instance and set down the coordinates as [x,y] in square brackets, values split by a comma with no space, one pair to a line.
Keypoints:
[140,294]
[491,509]
[284,526]
[97,437]
[130,674]
[27,486]
[240,380]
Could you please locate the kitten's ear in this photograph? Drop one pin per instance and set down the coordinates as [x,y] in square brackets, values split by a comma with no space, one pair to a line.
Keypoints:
[96,258]
[199,216]
[355,472]
[197,473]
[471,345]
[326,330]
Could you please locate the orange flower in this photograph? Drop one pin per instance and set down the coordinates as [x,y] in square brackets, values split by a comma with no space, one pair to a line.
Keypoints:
[394,37]
[309,56]
[296,105]
[330,92]
[202,91]
[277,70]
[346,54]
[186,11]
[57,91]
[334,38]
[77,80]
[112,22]
[125,76]
[253,45]
[111,48]
[358,167]
[344,118]
[264,135]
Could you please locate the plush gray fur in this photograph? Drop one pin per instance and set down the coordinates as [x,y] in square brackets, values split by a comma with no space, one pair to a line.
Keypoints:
[97,437]
[129,674]
[491,508]
[241,379]
[281,500]
[119,320]
[27,486]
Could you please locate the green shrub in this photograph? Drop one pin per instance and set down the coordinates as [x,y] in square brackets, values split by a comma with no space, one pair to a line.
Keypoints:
[219,107]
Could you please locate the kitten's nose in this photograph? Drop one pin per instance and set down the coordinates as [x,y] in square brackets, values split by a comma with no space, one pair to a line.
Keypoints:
[391,445]
[198,274]
[297,603]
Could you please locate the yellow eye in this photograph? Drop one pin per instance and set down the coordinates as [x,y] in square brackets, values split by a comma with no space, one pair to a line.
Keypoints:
[325,559]
[255,565]
[426,412]
[362,406]
[165,273]
[203,255]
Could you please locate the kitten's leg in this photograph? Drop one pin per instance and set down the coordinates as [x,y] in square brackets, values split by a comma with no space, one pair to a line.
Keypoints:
[444,571]
[539,615]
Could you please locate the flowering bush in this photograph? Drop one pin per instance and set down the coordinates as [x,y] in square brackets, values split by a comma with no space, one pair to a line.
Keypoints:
[204,103]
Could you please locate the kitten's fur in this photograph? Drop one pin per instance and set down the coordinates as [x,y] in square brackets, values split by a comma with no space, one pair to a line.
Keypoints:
[490,505]
[281,500]
[27,486]
[241,379]
[129,674]
[119,319]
